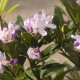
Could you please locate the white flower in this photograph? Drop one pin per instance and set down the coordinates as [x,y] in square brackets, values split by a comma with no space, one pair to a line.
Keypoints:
[39,23]
[3,61]
[34,53]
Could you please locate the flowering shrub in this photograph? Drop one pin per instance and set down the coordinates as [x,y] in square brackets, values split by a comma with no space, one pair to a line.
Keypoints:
[23,40]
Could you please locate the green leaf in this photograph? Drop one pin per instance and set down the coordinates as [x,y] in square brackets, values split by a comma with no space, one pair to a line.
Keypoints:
[71,8]
[49,62]
[55,20]
[70,51]
[23,50]
[6,76]
[59,72]
[26,38]
[30,74]
[5,23]
[20,73]
[73,74]
[51,68]
[1,5]
[50,50]
[19,20]
[10,10]
[65,72]
[58,12]
[4,5]
[59,36]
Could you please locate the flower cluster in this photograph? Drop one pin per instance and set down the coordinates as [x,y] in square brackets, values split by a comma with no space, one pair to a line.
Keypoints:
[8,33]
[36,25]
[76,42]
[39,23]
[4,62]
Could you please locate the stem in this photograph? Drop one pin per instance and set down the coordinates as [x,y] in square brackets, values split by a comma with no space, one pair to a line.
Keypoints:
[35,72]
[9,55]
[77,74]
[10,73]
[1,22]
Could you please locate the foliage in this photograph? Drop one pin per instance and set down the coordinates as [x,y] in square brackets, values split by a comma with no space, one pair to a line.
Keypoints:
[23,40]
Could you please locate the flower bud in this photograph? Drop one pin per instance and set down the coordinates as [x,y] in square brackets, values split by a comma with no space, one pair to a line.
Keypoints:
[13,61]
[65,29]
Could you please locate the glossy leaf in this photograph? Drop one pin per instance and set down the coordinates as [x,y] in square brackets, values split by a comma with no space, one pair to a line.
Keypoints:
[19,20]
[51,68]
[58,13]
[50,50]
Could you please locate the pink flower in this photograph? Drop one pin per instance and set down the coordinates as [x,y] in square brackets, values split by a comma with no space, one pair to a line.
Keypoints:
[76,42]
[3,61]
[34,53]
[39,23]
[8,33]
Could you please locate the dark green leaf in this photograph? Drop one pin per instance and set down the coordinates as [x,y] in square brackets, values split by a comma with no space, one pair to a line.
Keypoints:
[58,12]
[50,50]
[65,72]
[73,74]
[19,21]
[71,52]
[51,68]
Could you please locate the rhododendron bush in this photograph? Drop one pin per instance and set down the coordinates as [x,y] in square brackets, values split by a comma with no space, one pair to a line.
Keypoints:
[23,40]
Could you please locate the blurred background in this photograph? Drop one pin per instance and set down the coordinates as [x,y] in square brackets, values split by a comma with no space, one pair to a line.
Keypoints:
[27,8]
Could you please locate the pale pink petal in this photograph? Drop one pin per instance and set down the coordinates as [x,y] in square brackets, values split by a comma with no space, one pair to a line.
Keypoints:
[11,26]
[5,63]
[42,32]
[26,22]
[78,48]
[1,34]
[52,26]
[1,69]
[74,37]
[16,27]
[43,13]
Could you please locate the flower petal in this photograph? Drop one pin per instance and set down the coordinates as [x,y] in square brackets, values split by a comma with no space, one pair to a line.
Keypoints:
[43,13]
[1,69]
[26,22]
[42,32]
[52,26]
[72,36]
[78,48]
